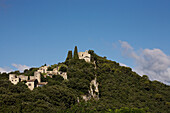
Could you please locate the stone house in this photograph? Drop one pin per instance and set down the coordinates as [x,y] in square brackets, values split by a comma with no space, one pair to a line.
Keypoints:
[14,78]
[35,81]
[85,55]
[32,83]
[43,69]
[55,71]
[37,76]
[63,74]
[23,77]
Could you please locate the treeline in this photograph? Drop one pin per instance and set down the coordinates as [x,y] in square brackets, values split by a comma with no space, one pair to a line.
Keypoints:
[120,87]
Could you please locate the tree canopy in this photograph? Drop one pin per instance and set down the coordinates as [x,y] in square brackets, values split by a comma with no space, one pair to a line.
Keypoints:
[75,53]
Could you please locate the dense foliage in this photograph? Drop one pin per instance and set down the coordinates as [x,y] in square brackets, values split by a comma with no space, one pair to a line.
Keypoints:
[75,53]
[52,98]
[80,74]
[69,55]
[121,87]
[121,90]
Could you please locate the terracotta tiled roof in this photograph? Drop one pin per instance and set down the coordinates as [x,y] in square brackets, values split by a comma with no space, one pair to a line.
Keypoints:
[31,80]
[42,83]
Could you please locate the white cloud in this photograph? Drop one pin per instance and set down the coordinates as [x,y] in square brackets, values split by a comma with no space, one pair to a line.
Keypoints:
[20,67]
[5,69]
[152,62]
[125,45]
[128,50]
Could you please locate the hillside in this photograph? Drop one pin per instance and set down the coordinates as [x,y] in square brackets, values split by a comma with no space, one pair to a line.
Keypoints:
[120,90]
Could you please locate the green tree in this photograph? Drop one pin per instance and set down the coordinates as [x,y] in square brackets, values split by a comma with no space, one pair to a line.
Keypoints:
[63,69]
[76,53]
[69,55]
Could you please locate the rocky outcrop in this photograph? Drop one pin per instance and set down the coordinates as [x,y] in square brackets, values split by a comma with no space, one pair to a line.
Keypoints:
[93,92]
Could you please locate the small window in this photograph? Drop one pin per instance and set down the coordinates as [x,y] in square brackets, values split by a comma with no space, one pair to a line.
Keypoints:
[12,80]
[29,84]
[82,54]
[15,80]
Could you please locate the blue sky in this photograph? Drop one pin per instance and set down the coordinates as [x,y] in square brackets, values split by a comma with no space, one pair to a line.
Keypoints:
[34,32]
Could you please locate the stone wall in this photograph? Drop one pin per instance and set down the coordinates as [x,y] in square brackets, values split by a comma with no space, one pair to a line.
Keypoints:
[23,77]
[32,84]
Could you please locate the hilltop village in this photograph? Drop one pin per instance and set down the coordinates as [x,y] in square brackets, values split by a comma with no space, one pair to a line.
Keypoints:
[68,86]
[35,81]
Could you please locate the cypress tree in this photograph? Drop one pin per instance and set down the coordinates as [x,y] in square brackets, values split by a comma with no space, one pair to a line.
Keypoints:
[76,53]
[69,55]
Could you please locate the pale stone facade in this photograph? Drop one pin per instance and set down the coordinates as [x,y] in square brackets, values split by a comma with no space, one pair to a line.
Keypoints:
[85,55]
[32,84]
[37,76]
[43,69]
[15,79]
[23,77]
[35,81]
[55,71]
[63,74]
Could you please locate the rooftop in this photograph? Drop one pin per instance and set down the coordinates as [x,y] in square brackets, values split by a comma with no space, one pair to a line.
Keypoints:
[31,80]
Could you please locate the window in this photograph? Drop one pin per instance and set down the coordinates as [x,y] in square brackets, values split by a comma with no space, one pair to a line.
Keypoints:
[29,84]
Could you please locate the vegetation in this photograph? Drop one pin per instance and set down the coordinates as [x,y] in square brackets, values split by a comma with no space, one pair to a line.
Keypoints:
[120,90]
[69,56]
[75,53]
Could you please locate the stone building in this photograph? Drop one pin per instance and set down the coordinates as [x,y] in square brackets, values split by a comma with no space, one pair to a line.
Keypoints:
[85,55]
[43,69]
[32,83]
[63,74]
[37,76]
[55,71]
[14,78]
[35,81]
[23,77]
